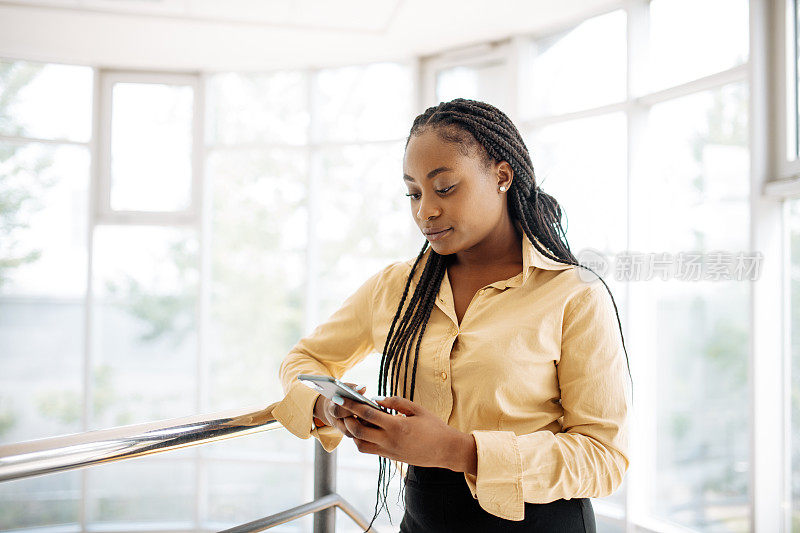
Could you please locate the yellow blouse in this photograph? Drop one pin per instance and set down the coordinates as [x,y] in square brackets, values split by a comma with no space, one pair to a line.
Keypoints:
[535,372]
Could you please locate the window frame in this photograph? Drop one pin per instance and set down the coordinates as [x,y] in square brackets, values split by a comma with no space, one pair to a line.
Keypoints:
[785,175]
[104,213]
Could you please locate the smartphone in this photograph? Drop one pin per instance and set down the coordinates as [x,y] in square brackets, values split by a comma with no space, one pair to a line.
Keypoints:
[328,386]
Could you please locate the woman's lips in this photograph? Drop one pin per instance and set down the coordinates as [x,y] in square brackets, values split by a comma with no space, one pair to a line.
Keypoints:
[437,236]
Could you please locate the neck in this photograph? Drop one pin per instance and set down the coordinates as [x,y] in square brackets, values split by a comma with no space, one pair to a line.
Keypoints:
[502,246]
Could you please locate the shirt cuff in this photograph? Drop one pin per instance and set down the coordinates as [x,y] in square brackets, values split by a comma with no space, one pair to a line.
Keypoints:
[498,484]
[296,413]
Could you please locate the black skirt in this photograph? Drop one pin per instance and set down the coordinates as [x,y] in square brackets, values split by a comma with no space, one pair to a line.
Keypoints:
[438,500]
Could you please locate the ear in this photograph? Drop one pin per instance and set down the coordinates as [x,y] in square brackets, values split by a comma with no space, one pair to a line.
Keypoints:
[504,174]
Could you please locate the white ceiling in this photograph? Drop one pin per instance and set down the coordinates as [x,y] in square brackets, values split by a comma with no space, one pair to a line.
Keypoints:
[218,35]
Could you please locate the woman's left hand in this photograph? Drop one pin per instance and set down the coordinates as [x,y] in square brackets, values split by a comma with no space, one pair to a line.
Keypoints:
[420,438]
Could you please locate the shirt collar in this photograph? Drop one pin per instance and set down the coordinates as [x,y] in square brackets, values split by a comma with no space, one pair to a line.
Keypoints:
[531,257]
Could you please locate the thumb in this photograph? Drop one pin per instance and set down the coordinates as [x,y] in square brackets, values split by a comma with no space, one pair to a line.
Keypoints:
[399,404]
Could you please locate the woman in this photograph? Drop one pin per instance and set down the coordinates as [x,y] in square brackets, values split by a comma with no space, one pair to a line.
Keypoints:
[515,355]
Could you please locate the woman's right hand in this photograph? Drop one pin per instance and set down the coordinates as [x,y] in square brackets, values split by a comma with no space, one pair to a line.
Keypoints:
[332,414]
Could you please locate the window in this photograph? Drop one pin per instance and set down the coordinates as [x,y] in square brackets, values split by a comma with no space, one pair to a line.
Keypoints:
[591,188]
[691,200]
[152,119]
[578,68]
[481,73]
[44,192]
[477,82]
[680,49]
[301,217]
[149,139]
[199,283]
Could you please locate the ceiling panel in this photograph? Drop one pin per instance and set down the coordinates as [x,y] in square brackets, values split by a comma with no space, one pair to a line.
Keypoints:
[215,35]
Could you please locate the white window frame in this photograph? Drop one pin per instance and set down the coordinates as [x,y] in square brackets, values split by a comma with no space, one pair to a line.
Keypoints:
[785,178]
[103,212]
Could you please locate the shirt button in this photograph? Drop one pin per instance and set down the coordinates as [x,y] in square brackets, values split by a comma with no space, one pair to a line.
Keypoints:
[444,376]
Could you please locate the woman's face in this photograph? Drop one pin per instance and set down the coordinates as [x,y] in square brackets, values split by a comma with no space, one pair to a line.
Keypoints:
[454,198]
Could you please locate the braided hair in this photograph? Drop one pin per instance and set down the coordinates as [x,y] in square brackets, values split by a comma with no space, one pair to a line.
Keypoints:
[472,125]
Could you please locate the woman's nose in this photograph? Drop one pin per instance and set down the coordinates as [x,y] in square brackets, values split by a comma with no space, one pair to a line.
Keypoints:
[428,209]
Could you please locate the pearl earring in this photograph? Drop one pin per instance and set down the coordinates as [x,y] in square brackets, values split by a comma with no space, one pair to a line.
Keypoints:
[502,188]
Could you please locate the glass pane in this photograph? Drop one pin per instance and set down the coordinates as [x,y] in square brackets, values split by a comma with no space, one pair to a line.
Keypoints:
[606,525]
[155,120]
[691,198]
[30,106]
[242,492]
[681,48]
[259,271]
[577,69]
[367,103]
[151,493]
[364,220]
[39,502]
[693,190]
[250,108]
[793,226]
[43,216]
[361,490]
[591,188]
[486,82]
[144,324]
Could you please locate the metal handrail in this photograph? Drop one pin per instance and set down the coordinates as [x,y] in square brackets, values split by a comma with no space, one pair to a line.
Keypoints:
[319,504]
[69,452]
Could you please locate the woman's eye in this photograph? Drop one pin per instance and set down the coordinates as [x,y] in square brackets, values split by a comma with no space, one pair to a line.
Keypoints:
[415,196]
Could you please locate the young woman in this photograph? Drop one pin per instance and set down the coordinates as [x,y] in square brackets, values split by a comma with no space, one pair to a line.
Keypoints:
[515,354]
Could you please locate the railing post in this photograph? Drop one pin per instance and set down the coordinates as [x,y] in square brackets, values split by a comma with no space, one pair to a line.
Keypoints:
[324,484]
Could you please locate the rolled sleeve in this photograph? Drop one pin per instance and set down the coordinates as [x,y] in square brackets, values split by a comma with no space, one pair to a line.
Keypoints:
[295,413]
[589,458]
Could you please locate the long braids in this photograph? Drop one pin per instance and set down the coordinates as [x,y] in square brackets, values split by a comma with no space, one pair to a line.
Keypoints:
[467,122]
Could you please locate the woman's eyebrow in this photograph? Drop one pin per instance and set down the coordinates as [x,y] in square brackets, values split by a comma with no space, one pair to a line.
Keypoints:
[431,174]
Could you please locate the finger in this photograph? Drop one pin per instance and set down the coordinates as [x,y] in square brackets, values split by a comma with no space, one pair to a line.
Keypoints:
[365,446]
[367,413]
[399,404]
[341,411]
[337,412]
[339,423]
[359,430]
